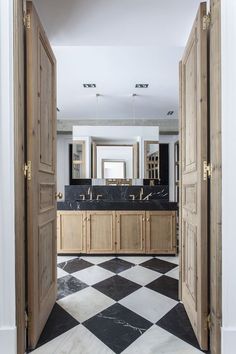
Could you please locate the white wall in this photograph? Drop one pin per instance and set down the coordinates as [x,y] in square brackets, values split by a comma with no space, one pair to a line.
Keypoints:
[7,206]
[123,153]
[116,132]
[171,140]
[228,52]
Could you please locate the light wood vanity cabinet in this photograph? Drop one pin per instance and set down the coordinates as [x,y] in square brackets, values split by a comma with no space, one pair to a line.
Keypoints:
[130,231]
[71,232]
[161,232]
[151,232]
[101,232]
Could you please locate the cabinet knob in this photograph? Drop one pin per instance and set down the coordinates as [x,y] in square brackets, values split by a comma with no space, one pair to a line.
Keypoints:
[148,219]
[58,195]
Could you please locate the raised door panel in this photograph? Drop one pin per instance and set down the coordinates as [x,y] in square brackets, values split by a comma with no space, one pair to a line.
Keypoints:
[130,231]
[161,232]
[101,232]
[194,187]
[71,238]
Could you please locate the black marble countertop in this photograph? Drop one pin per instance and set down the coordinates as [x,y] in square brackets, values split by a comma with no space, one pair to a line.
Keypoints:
[161,204]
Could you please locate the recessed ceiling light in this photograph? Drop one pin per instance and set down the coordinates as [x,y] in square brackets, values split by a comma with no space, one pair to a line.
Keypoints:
[170,113]
[89,85]
[141,85]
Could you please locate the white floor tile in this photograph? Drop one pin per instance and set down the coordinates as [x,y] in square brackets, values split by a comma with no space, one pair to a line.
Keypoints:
[148,304]
[140,275]
[158,341]
[61,259]
[174,259]
[96,259]
[93,275]
[136,260]
[174,273]
[85,303]
[77,340]
[61,273]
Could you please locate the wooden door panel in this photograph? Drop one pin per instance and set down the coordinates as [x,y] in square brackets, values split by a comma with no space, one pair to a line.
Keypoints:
[46,106]
[130,232]
[194,195]
[101,232]
[71,232]
[46,268]
[161,232]
[41,183]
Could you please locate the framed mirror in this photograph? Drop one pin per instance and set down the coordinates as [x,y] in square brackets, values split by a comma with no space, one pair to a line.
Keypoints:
[151,160]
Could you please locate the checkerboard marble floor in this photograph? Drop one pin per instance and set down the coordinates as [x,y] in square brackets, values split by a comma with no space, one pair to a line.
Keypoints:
[117,305]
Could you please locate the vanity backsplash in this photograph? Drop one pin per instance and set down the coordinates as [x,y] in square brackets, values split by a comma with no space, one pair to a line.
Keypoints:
[76,193]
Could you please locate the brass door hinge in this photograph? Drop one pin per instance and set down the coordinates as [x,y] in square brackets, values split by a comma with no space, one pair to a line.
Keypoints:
[28,170]
[207,170]
[27,20]
[206,22]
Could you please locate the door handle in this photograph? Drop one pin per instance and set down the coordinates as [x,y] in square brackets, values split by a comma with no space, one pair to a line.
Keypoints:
[58,195]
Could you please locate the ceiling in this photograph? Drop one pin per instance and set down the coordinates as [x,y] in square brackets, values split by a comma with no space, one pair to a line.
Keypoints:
[116,44]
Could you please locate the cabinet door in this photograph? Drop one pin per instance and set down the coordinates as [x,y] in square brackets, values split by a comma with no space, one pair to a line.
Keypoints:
[161,232]
[71,232]
[130,231]
[101,232]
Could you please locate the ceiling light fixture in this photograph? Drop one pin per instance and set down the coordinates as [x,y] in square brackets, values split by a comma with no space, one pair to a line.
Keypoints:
[134,95]
[141,85]
[97,104]
[89,85]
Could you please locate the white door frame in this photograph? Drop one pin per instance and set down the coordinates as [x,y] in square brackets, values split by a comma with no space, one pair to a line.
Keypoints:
[7,204]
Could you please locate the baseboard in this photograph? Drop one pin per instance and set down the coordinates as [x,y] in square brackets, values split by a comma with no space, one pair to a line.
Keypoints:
[228,340]
[8,340]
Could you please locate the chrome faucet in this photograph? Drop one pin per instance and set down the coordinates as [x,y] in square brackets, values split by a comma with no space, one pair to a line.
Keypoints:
[90,193]
[141,194]
[132,196]
[147,196]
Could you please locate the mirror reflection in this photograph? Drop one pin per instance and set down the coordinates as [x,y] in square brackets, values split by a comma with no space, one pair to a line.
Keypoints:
[103,153]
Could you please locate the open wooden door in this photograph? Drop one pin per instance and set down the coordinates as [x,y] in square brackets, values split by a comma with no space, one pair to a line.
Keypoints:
[41,175]
[194,185]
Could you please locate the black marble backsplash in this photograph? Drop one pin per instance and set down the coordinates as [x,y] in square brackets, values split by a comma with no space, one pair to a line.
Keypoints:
[116,193]
[160,204]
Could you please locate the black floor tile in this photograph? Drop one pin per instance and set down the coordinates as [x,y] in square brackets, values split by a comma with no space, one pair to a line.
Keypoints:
[58,322]
[116,265]
[74,265]
[117,287]
[166,286]
[177,322]
[159,265]
[117,327]
[68,285]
